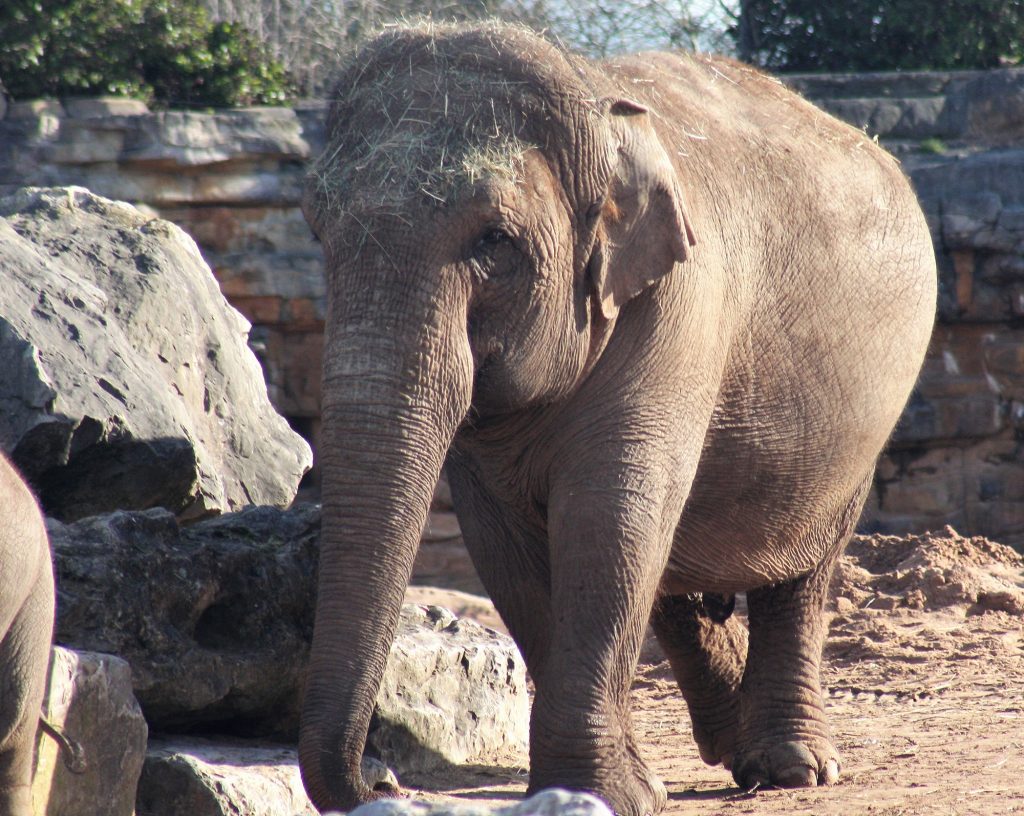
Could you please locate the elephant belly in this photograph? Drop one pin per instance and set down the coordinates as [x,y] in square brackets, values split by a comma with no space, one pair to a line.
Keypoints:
[736,535]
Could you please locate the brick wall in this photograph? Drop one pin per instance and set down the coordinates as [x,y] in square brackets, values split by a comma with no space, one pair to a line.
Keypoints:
[232,179]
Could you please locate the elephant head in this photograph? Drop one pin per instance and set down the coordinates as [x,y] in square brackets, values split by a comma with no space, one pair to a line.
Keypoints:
[477,200]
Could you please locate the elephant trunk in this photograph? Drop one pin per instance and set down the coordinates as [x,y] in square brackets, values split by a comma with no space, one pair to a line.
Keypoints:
[391,408]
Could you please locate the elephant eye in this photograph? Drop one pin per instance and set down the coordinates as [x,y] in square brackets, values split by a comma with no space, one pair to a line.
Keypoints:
[493,237]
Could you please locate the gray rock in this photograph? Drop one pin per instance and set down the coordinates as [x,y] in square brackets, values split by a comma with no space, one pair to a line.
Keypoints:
[89,699]
[134,386]
[454,693]
[203,777]
[197,777]
[552,802]
[101,107]
[216,620]
[995,106]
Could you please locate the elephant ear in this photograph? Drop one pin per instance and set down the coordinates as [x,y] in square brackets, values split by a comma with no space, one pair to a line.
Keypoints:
[644,230]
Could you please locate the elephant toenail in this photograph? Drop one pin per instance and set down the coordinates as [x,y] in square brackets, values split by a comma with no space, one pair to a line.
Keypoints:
[797,776]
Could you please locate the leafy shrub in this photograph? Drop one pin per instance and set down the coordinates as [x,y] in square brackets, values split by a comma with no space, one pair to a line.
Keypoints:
[163,51]
[876,35]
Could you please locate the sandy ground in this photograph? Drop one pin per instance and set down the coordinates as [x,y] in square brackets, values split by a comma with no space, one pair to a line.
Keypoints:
[924,686]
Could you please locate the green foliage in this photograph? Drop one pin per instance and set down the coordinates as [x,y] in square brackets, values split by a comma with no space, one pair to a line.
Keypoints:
[163,51]
[876,35]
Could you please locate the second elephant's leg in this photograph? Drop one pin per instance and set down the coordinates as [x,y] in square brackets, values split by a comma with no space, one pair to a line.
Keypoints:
[24,656]
[707,658]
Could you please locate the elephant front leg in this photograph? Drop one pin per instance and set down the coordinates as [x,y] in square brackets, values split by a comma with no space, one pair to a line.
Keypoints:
[606,558]
[707,658]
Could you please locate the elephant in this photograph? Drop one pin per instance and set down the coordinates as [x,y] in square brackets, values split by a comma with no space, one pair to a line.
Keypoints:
[26,631]
[656,316]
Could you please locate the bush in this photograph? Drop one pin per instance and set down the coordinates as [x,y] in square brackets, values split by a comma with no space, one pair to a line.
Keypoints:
[166,52]
[878,35]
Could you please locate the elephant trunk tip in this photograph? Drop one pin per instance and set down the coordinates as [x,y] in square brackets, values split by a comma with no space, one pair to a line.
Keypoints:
[340,786]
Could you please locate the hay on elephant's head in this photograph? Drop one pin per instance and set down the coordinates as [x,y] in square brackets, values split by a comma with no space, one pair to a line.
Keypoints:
[416,116]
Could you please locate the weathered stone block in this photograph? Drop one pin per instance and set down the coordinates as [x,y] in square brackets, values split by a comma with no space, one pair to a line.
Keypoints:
[104,107]
[188,138]
[247,230]
[995,107]
[454,693]
[89,698]
[216,620]
[199,777]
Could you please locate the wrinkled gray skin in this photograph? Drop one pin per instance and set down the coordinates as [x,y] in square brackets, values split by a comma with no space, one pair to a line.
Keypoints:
[26,630]
[660,315]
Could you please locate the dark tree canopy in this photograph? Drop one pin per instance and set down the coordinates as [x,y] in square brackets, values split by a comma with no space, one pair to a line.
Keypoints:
[163,51]
[878,35]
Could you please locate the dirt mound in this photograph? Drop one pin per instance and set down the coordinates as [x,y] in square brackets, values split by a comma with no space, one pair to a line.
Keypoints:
[930,572]
[906,602]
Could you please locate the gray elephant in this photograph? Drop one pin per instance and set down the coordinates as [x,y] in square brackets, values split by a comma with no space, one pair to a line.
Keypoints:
[26,630]
[659,316]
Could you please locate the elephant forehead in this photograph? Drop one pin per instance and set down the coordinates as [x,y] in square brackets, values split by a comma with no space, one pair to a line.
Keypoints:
[397,168]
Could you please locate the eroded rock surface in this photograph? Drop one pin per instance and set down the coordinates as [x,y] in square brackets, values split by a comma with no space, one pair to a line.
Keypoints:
[128,382]
[216,619]
[197,777]
[89,700]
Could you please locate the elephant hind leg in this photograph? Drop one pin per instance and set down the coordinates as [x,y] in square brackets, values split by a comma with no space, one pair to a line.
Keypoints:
[24,657]
[707,655]
[784,736]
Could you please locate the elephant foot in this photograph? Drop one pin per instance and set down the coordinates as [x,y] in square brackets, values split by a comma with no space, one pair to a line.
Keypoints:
[789,764]
[629,791]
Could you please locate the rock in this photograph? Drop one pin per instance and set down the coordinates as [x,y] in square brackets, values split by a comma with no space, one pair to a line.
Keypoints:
[216,619]
[442,559]
[202,777]
[134,384]
[197,777]
[462,604]
[552,802]
[454,693]
[89,699]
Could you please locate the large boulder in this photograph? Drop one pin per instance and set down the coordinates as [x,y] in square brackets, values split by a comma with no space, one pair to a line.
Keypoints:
[90,761]
[454,693]
[128,382]
[216,620]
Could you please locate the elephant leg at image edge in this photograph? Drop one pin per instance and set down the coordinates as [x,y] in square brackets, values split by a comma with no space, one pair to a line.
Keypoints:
[26,646]
[707,658]
[784,737]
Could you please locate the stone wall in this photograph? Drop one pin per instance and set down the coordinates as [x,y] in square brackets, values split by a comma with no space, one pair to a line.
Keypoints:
[232,179]
[958,456]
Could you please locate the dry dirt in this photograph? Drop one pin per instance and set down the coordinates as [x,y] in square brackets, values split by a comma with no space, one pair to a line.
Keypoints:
[924,685]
